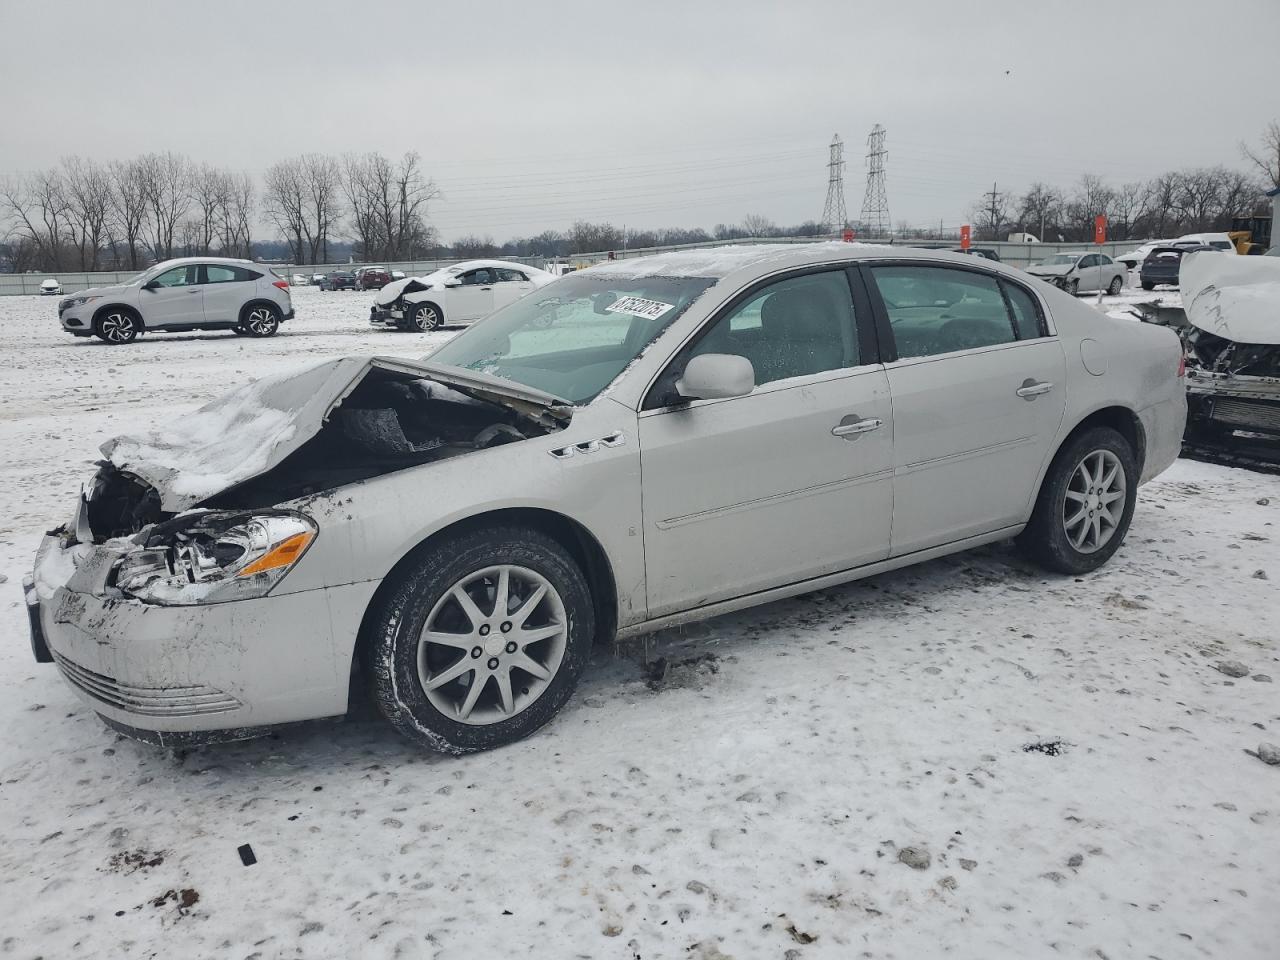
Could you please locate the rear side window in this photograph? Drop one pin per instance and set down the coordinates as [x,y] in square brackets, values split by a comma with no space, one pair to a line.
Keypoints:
[221,274]
[937,310]
[510,276]
[1026,314]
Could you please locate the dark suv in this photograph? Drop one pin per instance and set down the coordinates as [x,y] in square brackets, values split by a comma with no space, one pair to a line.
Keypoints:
[339,280]
[372,278]
[1163,264]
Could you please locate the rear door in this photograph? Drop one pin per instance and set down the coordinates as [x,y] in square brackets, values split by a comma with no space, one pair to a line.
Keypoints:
[226,290]
[473,299]
[790,482]
[511,286]
[979,392]
[174,298]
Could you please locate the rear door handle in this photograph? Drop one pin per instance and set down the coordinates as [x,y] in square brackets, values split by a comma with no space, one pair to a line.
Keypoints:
[851,427]
[1031,389]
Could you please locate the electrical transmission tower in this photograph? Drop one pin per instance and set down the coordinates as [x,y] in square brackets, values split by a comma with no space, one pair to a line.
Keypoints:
[834,215]
[875,204]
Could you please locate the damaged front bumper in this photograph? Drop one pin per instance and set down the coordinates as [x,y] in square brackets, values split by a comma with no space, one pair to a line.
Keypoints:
[179,674]
[1223,402]
[390,316]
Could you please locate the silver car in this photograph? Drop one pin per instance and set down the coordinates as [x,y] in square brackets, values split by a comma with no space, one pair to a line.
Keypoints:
[1081,272]
[190,293]
[637,445]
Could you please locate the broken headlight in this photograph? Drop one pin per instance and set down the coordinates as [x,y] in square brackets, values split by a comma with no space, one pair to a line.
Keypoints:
[214,557]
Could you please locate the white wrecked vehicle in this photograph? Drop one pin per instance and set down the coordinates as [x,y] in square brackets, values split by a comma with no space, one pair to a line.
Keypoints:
[1232,308]
[694,433]
[454,295]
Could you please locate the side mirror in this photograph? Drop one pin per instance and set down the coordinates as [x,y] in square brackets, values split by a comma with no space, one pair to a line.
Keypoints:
[150,285]
[716,376]
[453,282]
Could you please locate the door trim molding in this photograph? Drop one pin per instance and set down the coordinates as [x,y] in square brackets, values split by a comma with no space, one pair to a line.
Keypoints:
[908,468]
[774,498]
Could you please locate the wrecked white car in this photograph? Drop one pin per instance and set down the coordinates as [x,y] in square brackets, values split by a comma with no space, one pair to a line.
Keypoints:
[454,295]
[1232,335]
[690,434]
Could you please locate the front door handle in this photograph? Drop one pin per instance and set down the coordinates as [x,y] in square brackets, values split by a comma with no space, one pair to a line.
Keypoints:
[1031,389]
[851,427]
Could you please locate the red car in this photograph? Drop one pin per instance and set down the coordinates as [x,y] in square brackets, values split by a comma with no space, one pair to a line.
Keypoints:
[372,278]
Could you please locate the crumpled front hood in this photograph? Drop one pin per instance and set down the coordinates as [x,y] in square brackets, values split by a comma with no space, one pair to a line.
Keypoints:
[393,290]
[248,431]
[1047,271]
[1236,298]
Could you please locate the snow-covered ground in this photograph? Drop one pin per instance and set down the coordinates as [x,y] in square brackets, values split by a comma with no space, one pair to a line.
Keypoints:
[755,803]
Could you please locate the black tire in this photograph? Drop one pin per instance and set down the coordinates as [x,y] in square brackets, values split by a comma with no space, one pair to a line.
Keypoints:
[389,645]
[1073,287]
[117,325]
[426,317]
[260,320]
[1115,287]
[1045,538]
[1148,285]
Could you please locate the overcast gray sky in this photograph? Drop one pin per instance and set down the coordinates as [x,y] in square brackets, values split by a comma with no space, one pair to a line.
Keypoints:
[648,113]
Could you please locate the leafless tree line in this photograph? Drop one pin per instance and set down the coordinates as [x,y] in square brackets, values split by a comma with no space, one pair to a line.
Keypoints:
[381,202]
[87,215]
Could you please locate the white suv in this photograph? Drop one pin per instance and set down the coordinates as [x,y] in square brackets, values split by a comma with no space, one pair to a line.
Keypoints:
[193,293]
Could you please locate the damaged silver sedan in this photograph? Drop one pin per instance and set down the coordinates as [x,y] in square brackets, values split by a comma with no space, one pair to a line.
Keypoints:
[640,444]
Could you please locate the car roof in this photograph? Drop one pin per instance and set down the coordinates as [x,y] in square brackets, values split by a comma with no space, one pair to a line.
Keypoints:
[181,261]
[718,262]
[477,264]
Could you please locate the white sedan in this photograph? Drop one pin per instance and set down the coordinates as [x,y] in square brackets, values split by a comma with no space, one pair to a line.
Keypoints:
[1081,272]
[458,294]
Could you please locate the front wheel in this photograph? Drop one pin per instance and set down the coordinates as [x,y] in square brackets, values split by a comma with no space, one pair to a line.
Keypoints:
[426,317]
[481,641]
[1114,288]
[1148,285]
[261,320]
[118,326]
[1085,504]
[1073,287]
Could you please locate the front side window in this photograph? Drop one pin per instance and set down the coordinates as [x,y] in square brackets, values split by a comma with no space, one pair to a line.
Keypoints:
[477,277]
[177,277]
[1089,261]
[936,310]
[573,337]
[792,328]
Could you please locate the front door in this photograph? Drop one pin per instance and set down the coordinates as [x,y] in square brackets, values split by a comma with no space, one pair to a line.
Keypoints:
[790,482]
[473,299]
[979,390]
[176,299]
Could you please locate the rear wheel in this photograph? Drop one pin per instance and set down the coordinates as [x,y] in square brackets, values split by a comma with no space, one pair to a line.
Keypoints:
[117,326]
[260,320]
[482,641]
[1116,284]
[1085,504]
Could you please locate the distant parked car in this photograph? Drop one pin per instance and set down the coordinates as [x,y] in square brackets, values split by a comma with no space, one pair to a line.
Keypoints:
[1163,264]
[192,293]
[458,294]
[1133,258]
[339,280]
[317,279]
[1219,241]
[984,252]
[372,278]
[299,280]
[1081,272]
[50,288]
[397,274]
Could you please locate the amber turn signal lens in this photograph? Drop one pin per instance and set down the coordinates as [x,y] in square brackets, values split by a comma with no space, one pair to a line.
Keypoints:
[281,555]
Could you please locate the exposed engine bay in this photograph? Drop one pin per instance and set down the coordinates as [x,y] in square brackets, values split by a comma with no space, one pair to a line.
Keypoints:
[389,422]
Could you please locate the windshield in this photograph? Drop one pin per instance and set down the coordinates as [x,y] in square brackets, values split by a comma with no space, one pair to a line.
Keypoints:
[571,338]
[1061,260]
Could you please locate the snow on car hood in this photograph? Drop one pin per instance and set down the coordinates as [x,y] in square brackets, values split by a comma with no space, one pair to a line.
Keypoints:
[248,431]
[1236,298]
[1060,270]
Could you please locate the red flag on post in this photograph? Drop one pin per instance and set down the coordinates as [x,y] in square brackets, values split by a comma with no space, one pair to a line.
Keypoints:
[964,237]
[1100,229]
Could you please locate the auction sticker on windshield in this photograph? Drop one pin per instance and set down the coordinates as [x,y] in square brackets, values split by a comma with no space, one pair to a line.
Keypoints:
[639,307]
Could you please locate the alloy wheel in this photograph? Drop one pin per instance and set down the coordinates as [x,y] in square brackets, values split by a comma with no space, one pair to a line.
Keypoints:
[426,318]
[261,321]
[492,644]
[1094,502]
[118,327]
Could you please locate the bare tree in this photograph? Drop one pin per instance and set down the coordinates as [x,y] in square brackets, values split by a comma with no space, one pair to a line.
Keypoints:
[1199,197]
[166,179]
[1126,209]
[758,225]
[1040,208]
[235,230]
[284,201]
[208,193]
[388,204]
[128,199]
[991,214]
[474,246]
[87,188]
[1266,157]
[38,206]
[321,183]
